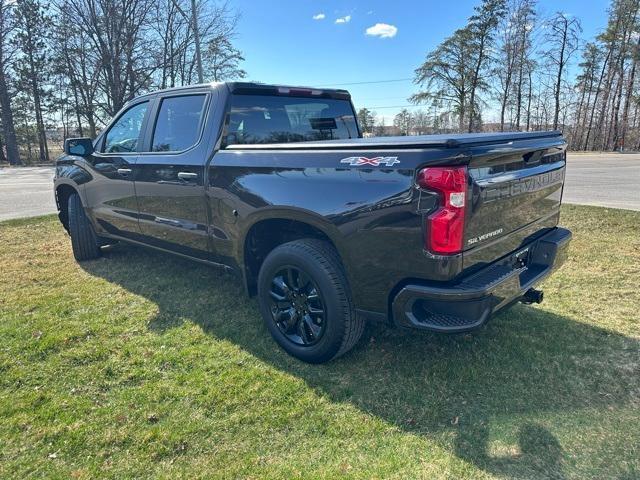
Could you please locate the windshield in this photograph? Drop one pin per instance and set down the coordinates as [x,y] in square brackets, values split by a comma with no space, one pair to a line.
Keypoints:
[282,119]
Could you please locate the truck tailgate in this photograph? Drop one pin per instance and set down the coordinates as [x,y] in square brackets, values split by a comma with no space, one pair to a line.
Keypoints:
[514,197]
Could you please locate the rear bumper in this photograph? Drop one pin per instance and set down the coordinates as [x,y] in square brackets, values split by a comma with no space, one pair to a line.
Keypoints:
[471,302]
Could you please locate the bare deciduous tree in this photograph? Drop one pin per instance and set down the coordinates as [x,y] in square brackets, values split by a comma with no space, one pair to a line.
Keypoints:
[421,122]
[116,31]
[563,39]
[514,65]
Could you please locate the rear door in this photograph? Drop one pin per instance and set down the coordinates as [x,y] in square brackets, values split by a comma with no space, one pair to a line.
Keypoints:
[170,175]
[111,195]
[516,190]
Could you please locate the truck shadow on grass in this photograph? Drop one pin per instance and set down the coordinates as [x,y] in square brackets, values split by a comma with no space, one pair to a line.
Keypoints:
[494,398]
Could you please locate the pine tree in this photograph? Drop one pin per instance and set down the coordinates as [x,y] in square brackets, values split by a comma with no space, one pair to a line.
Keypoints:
[32,35]
[482,26]
[403,121]
[366,120]
[7,26]
[446,76]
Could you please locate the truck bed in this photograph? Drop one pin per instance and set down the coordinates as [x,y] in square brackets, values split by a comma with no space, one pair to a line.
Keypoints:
[514,190]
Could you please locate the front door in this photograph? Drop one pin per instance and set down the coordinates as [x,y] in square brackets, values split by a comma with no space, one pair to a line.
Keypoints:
[170,176]
[111,200]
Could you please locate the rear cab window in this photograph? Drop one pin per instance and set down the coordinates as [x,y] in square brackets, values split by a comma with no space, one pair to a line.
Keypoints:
[178,123]
[255,119]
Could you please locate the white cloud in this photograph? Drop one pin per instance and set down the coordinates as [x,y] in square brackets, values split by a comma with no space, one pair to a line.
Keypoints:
[382,30]
[319,16]
[345,19]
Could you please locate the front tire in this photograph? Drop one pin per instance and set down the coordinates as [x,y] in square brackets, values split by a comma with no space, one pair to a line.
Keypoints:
[84,241]
[306,303]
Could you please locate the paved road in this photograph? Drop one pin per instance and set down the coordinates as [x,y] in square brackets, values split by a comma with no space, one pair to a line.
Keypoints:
[604,179]
[609,180]
[26,192]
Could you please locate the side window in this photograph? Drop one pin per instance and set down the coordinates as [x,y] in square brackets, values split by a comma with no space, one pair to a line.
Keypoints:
[123,136]
[178,124]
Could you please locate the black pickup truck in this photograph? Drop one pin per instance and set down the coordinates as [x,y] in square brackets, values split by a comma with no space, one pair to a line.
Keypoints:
[328,229]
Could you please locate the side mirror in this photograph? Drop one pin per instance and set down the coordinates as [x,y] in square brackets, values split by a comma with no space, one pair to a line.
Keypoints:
[78,146]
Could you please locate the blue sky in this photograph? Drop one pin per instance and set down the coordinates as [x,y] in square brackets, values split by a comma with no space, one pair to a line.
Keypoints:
[283,43]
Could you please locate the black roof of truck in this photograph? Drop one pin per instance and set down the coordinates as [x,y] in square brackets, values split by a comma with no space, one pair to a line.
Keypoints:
[254,88]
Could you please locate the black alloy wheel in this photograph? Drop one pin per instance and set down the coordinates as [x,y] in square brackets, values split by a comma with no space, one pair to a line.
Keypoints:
[305,301]
[297,306]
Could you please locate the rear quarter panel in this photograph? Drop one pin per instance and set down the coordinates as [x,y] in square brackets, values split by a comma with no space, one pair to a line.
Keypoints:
[369,213]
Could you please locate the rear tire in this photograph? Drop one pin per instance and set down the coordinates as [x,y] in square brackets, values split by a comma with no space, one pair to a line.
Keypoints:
[291,308]
[83,238]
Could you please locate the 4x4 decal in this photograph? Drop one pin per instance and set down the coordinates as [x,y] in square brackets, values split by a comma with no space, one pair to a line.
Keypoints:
[372,162]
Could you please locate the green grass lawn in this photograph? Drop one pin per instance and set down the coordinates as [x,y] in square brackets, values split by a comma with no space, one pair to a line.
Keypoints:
[144,365]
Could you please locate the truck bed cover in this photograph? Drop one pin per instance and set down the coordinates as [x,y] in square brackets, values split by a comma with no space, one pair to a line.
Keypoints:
[404,142]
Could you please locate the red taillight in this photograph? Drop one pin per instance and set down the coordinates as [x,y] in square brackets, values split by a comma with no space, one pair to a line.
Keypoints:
[445,227]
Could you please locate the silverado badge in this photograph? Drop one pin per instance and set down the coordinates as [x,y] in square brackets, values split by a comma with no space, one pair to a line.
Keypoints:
[373,162]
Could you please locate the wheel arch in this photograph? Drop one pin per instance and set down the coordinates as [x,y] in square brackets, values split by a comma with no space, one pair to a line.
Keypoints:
[63,191]
[269,229]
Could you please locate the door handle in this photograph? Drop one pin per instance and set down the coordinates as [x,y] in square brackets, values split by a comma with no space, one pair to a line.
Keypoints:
[167,221]
[124,171]
[186,176]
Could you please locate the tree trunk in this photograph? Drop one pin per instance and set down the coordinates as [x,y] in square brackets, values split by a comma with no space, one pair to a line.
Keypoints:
[196,37]
[627,101]
[3,157]
[474,84]
[587,108]
[574,140]
[35,91]
[595,100]
[522,46]
[503,105]
[28,136]
[561,61]
[43,148]
[519,98]
[13,155]
[599,137]
[507,88]
[93,132]
[614,130]
[529,95]
[462,112]
[615,113]
[76,108]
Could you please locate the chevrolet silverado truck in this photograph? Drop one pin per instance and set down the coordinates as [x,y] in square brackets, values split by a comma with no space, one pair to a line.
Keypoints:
[329,229]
